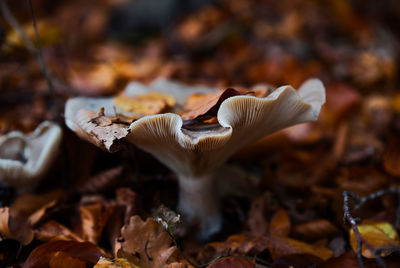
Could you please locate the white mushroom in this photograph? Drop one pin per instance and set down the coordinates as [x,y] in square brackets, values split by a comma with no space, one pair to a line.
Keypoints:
[194,154]
[24,159]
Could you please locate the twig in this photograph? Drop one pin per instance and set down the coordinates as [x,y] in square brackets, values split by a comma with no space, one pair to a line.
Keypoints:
[347,217]
[40,57]
[36,52]
[8,16]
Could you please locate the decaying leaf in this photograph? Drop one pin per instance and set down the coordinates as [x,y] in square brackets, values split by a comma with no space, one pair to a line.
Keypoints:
[72,252]
[381,235]
[146,104]
[14,226]
[168,218]
[146,244]
[105,137]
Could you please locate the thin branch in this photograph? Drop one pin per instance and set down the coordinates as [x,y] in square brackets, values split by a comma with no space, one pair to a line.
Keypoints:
[8,16]
[40,57]
[347,217]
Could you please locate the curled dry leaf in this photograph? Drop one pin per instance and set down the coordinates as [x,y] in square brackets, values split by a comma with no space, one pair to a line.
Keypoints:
[128,199]
[257,221]
[105,137]
[15,226]
[72,252]
[146,244]
[314,230]
[280,223]
[381,235]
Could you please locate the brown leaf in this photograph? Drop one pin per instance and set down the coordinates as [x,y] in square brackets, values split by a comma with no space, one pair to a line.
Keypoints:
[15,226]
[64,260]
[53,230]
[232,262]
[101,182]
[280,246]
[205,106]
[42,255]
[126,198]
[257,221]
[280,223]
[391,158]
[297,260]
[29,203]
[146,244]
[348,260]
[105,137]
[94,218]
[41,213]
[314,230]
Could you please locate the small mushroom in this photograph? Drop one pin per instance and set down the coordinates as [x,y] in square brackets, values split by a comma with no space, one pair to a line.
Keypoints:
[24,159]
[195,153]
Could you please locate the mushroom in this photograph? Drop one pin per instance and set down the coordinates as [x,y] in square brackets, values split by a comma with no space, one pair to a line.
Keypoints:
[194,154]
[24,159]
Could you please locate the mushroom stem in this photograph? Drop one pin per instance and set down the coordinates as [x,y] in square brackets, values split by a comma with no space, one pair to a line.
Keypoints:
[198,199]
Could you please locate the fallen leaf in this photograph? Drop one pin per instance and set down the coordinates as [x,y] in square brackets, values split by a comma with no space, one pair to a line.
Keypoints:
[115,263]
[101,182]
[128,199]
[297,260]
[280,223]
[29,203]
[232,262]
[94,218]
[64,260]
[146,104]
[107,137]
[280,246]
[15,226]
[381,235]
[314,230]
[53,230]
[204,106]
[77,252]
[391,158]
[348,260]
[146,244]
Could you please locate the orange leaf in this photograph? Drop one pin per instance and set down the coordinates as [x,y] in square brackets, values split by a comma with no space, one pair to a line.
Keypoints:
[280,223]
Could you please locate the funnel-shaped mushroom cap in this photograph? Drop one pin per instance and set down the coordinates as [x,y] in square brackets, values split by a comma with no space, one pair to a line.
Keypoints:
[195,152]
[24,159]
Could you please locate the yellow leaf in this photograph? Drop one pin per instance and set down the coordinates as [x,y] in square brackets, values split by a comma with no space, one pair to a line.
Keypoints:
[146,104]
[379,235]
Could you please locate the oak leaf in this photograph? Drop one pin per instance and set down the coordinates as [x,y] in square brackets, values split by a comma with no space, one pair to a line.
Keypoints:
[15,226]
[146,244]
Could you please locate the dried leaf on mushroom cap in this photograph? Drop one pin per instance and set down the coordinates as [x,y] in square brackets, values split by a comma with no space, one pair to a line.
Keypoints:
[25,158]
